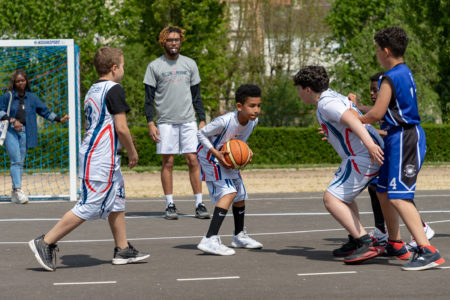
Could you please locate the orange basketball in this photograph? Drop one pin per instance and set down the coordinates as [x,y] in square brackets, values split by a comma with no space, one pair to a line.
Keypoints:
[238,153]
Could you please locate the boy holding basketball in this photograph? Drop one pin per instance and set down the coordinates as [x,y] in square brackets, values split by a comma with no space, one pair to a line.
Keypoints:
[225,185]
[405,148]
[358,145]
[102,190]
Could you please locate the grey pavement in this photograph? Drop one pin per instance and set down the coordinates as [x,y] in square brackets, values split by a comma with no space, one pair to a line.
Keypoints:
[295,263]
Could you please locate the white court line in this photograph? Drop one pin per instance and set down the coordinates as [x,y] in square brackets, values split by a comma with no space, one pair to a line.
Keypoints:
[183,237]
[270,198]
[208,278]
[443,267]
[200,236]
[84,283]
[228,215]
[250,199]
[327,273]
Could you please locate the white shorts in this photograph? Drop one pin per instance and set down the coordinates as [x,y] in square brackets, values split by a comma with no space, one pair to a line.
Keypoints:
[99,199]
[177,138]
[220,188]
[352,177]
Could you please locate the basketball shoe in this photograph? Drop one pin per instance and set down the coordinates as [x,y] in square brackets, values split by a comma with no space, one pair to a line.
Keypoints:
[44,253]
[426,257]
[242,240]
[364,251]
[379,237]
[346,248]
[398,249]
[213,245]
[201,212]
[171,212]
[128,255]
[429,233]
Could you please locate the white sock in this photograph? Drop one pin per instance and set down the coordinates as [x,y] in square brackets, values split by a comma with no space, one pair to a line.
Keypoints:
[198,199]
[169,200]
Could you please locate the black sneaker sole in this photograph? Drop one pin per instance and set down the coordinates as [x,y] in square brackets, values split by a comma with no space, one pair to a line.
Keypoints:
[202,217]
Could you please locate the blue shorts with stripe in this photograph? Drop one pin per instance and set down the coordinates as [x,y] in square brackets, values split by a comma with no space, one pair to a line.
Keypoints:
[404,152]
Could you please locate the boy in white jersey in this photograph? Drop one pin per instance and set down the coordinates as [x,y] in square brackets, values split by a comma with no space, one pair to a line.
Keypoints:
[225,185]
[359,147]
[102,194]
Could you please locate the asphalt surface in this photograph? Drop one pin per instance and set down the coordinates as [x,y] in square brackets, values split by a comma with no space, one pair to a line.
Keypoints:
[295,263]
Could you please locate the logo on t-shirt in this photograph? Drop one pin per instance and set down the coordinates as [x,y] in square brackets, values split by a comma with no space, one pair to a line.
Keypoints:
[174,75]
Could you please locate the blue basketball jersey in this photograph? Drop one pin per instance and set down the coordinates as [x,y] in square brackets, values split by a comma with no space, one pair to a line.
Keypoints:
[402,110]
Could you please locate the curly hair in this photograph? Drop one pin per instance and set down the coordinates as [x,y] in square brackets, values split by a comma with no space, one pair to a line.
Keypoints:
[314,77]
[105,58]
[169,29]
[245,91]
[12,81]
[376,76]
[393,38]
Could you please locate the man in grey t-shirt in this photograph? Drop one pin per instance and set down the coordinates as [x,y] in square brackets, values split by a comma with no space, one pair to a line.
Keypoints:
[172,86]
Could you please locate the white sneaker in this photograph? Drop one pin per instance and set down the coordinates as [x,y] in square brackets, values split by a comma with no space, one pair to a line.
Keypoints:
[18,196]
[242,240]
[213,245]
[378,235]
[429,233]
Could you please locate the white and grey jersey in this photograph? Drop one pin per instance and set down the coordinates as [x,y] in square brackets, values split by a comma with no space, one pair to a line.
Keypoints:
[215,134]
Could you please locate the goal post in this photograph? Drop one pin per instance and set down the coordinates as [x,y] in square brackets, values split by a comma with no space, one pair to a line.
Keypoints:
[52,67]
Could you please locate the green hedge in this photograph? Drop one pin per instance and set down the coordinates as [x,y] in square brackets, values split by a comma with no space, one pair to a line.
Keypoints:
[271,146]
[287,145]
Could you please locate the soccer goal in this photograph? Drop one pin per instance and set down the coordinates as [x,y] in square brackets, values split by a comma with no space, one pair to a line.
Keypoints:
[52,67]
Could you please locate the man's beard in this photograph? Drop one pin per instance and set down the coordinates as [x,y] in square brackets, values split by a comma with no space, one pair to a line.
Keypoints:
[173,51]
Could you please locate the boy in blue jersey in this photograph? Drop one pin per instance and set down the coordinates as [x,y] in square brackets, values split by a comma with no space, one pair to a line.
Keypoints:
[103,192]
[379,234]
[404,149]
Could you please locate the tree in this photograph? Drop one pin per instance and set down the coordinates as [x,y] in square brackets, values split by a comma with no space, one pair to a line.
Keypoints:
[353,26]
[206,41]
[269,41]
[88,22]
[430,20]
[281,105]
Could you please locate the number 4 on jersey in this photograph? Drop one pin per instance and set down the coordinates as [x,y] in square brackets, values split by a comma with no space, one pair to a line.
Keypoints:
[393,184]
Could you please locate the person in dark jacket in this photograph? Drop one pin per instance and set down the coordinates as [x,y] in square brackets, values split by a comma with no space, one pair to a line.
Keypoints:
[22,133]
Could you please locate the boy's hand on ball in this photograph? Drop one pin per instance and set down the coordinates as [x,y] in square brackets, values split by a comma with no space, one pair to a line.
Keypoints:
[220,155]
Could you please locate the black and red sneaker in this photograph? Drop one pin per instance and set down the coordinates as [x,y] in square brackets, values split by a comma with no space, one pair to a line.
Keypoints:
[347,248]
[364,252]
[398,249]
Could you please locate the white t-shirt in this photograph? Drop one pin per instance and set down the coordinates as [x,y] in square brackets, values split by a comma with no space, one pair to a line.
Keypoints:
[215,134]
[330,108]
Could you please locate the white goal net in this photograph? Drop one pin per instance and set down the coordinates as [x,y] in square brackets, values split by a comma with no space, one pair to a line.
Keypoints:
[52,67]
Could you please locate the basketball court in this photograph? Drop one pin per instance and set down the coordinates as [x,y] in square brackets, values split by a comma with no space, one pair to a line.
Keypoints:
[295,263]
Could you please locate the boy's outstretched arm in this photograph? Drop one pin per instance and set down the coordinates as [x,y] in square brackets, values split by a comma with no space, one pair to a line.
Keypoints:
[350,119]
[120,124]
[381,105]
